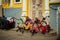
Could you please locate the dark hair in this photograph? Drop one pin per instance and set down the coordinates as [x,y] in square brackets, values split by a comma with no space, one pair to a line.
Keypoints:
[3,16]
[44,18]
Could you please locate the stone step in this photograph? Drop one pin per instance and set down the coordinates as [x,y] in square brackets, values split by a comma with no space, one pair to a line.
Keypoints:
[53,32]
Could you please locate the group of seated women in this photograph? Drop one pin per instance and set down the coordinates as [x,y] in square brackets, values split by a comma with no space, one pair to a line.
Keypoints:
[35,26]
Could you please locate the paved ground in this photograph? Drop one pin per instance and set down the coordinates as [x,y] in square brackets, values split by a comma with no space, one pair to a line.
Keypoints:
[13,35]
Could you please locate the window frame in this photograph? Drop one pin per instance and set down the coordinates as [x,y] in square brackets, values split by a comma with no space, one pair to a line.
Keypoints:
[17,2]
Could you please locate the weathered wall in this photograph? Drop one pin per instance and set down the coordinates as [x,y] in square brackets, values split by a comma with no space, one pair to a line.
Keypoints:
[53,16]
[13,12]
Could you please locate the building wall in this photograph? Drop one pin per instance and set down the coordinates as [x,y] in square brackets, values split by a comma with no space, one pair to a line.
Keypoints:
[53,14]
[46,10]
[18,5]
[13,12]
[14,5]
[58,21]
[0,2]
[7,7]
[54,1]
[0,8]
[0,11]
[37,10]
[24,5]
[17,10]
[12,9]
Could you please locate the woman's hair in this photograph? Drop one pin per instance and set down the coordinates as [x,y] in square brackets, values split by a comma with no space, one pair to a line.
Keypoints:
[3,16]
[27,17]
[36,20]
[44,18]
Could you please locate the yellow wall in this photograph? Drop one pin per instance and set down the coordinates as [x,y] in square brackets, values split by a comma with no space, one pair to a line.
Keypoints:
[20,5]
[14,5]
[5,5]
[27,4]
[30,8]
[46,10]
[43,6]
[25,8]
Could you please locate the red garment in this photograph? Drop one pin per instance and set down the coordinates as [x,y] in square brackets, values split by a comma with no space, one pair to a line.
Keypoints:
[43,28]
[27,21]
[48,26]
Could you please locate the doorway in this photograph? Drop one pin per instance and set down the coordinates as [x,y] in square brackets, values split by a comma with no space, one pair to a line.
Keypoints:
[54,17]
[58,20]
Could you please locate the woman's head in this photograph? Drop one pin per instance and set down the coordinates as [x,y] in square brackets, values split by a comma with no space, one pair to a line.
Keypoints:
[44,18]
[27,17]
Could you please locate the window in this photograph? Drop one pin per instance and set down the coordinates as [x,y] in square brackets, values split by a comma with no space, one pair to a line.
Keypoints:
[17,1]
[6,1]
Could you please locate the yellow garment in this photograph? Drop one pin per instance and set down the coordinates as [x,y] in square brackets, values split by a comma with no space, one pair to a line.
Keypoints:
[27,26]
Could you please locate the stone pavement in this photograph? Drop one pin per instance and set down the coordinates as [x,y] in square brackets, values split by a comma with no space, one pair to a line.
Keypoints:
[13,35]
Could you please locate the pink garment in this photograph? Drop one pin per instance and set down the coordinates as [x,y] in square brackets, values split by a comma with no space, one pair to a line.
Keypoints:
[11,21]
[34,27]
